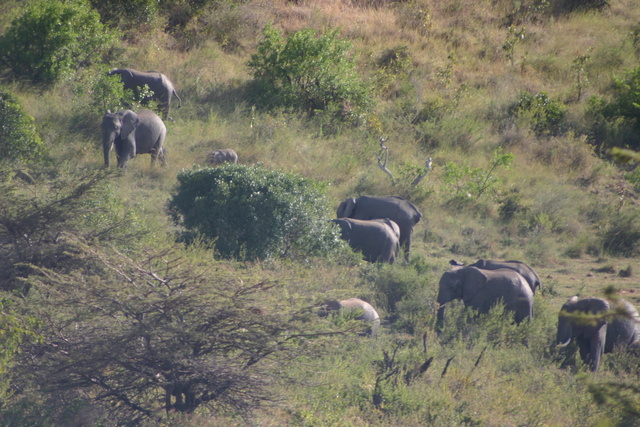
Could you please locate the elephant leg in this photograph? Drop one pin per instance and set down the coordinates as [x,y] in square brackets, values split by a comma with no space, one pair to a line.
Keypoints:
[584,345]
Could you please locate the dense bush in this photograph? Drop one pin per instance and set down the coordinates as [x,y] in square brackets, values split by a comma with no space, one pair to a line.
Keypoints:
[51,38]
[308,72]
[19,140]
[544,115]
[251,212]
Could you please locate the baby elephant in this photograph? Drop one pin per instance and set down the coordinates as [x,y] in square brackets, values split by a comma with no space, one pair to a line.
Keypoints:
[377,239]
[221,156]
[598,326]
[370,315]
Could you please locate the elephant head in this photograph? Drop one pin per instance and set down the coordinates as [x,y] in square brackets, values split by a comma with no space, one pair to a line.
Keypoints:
[369,314]
[221,156]
[482,289]
[397,209]
[596,328]
[131,134]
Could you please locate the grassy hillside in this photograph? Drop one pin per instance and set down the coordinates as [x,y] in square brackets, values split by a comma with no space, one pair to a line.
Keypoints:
[445,77]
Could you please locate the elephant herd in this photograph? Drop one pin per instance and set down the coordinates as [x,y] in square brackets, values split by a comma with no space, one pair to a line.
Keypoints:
[379,227]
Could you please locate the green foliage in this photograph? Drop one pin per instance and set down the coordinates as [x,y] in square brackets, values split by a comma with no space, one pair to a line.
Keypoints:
[464,181]
[514,37]
[544,115]
[622,236]
[19,140]
[308,72]
[126,14]
[52,38]
[250,212]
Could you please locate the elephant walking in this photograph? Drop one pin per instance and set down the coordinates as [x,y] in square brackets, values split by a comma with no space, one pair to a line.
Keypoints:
[131,134]
[525,271]
[397,209]
[603,330]
[482,289]
[377,239]
[163,89]
[221,156]
[369,315]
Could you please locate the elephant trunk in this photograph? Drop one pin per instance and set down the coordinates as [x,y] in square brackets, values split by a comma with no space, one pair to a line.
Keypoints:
[440,317]
[565,333]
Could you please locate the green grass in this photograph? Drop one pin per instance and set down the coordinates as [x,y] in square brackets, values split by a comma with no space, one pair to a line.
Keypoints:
[568,193]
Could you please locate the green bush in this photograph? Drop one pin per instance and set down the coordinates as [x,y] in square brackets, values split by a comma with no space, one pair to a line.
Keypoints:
[19,140]
[308,72]
[622,237]
[126,14]
[544,115]
[250,212]
[52,38]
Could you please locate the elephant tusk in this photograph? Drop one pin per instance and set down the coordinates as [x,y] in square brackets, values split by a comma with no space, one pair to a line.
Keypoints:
[564,344]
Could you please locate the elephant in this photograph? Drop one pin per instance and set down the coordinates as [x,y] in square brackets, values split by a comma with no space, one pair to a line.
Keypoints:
[163,89]
[133,133]
[370,315]
[482,289]
[601,334]
[525,271]
[397,209]
[377,239]
[222,155]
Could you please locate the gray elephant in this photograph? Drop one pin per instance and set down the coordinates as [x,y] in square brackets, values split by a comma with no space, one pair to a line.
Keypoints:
[163,89]
[131,134]
[221,156]
[377,239]
[397,209]
[369,315]
[482,289]
[599,334]
[525,271]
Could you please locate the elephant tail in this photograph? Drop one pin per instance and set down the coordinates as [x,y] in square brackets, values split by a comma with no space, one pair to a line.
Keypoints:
[179,100]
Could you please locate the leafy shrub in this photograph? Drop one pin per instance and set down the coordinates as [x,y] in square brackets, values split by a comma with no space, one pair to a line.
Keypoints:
[126,14]
[52,38]
[544,115]
[19,140]
[250,212]
[308,72]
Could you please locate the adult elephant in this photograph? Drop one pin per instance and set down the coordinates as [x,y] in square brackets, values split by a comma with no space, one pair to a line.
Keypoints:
[221,156]
[131,134]
[397,209]
[598,327]
[525,271]
[369,314]
[163,89]
[482,289]
[377,239]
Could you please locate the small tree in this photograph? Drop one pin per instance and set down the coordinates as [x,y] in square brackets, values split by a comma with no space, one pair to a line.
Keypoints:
[250,212]
[308,72]
[52,38]
[19,140]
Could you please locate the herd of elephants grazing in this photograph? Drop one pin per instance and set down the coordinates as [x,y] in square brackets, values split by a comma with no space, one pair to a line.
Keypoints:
[379,227]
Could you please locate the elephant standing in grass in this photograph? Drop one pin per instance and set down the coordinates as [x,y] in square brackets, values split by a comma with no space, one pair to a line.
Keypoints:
[397,209]
[377,239]
[131,134]
[369,315]
[598,327]
[221,156]
[525,271]
[482,289]
[163,89]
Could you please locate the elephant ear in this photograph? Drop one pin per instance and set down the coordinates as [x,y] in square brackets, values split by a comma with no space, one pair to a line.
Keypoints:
[346,208]
[129,123]
[473,281]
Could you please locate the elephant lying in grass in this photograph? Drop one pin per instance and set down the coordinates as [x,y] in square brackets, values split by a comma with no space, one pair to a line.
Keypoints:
[221,156]
[482,289]
[377,239]
[369,315]
[525,271]
[598,327]
[132,134]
